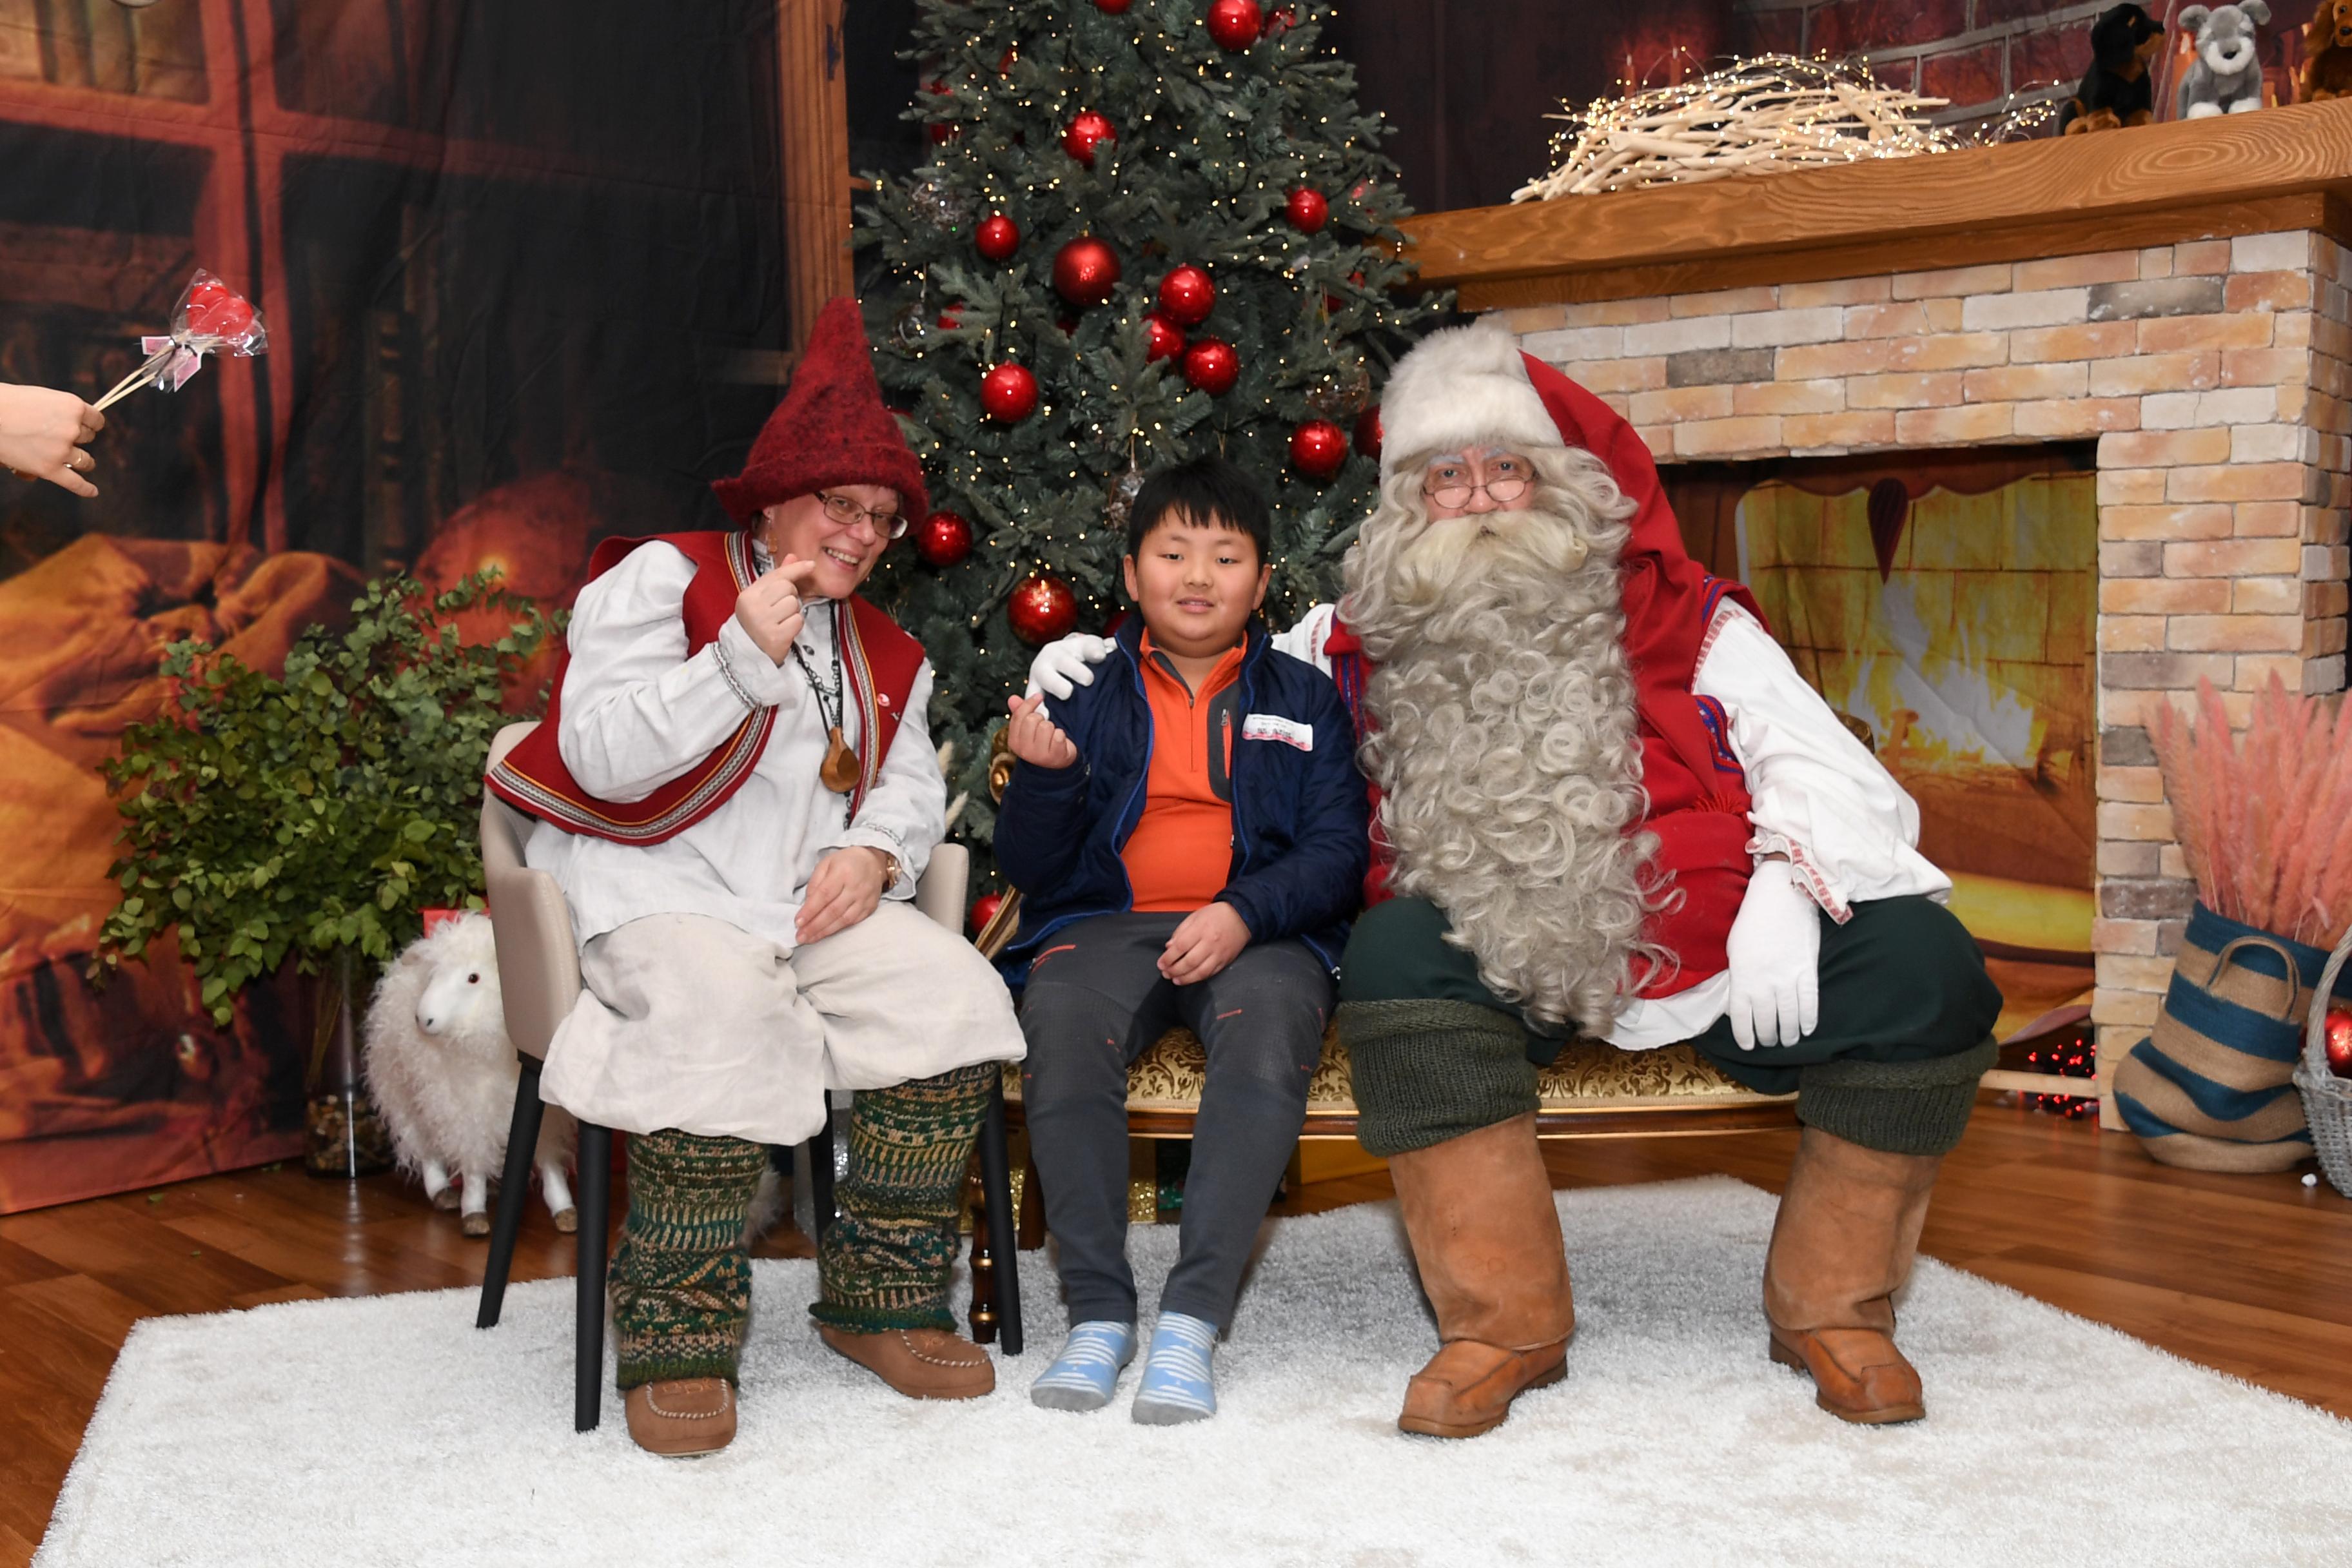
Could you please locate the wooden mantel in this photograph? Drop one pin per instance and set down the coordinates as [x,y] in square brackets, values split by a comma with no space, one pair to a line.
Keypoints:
[2157,184]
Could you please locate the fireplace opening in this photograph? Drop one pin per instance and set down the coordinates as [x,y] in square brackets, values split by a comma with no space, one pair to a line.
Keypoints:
[1945,604]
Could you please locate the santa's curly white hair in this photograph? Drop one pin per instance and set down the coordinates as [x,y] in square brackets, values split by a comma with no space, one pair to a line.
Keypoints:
[1505,742]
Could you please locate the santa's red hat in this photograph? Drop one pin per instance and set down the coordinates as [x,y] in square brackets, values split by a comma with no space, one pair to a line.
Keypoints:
[830,430]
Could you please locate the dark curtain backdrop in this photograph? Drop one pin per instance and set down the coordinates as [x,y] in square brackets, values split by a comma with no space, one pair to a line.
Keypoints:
[523,268]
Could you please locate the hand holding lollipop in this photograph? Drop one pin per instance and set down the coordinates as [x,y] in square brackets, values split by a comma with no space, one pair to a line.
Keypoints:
[210,317]
[43,435]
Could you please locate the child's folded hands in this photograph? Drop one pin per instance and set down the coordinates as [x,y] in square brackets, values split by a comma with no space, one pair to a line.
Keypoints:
[1208,938]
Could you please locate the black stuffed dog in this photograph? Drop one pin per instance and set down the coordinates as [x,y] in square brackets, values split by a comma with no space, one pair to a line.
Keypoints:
[2116,89]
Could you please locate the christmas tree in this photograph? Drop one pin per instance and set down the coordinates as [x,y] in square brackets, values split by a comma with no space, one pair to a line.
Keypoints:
[1148,229]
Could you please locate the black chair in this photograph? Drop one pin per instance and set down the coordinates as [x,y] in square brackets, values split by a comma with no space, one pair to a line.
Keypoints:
[539,977]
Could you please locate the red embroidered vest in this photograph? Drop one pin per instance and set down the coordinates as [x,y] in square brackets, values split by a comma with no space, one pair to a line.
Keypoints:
[878,664]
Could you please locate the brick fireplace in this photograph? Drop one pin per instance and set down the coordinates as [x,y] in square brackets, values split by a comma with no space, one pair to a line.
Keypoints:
[2210,370]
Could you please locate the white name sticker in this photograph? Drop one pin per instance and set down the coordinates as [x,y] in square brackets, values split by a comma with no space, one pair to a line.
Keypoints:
[1274,727]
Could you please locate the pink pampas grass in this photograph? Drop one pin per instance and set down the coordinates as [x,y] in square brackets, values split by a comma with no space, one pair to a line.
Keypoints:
[2265,819]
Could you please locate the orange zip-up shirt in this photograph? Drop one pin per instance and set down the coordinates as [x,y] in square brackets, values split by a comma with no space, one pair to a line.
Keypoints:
[1182,845]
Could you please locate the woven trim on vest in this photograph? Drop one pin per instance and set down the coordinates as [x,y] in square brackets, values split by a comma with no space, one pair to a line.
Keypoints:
[1425,1071]
[1897,1107]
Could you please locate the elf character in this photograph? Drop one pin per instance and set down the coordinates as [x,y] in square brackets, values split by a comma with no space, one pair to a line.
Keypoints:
[1607,803]
[736,791]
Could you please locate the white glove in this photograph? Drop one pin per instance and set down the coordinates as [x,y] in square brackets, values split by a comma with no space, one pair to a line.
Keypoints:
[1776,960]
[1061,667]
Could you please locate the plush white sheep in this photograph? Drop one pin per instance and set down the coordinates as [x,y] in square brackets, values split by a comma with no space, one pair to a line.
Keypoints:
[443,1072]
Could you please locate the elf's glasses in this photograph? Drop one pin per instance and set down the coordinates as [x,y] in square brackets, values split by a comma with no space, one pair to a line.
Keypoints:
[1452,484]
[849,514]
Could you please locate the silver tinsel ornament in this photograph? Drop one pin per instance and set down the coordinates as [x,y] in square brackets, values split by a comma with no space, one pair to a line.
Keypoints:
[1118,501]
[934,198]
[1342,393]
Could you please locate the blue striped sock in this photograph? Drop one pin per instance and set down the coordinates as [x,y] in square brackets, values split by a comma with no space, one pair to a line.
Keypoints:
[1176,1384]
[1086,1375]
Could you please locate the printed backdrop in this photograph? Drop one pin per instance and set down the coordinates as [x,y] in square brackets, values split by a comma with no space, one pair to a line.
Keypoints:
[522,265]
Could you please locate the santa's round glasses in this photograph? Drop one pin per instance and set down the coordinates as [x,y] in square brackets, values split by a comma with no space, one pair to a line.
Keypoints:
[849,514]
[1453,484]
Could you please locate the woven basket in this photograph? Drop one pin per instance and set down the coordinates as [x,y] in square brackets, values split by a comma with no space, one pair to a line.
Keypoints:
[2326,1098]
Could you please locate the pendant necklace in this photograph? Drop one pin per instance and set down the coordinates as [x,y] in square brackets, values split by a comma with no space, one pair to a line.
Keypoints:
[839,771]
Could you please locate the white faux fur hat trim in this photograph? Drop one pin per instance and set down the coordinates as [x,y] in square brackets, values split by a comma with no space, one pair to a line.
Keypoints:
[1459,386]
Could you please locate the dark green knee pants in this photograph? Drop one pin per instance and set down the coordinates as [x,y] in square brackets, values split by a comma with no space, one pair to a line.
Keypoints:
[1906,1011]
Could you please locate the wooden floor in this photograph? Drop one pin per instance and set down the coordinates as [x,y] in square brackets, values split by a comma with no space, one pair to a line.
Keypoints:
[2249,1275]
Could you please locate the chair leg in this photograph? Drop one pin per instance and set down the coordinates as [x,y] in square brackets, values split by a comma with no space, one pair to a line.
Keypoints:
[996,1186]
[820,1157]
[595,1219]
[981,1317]
[514,1191]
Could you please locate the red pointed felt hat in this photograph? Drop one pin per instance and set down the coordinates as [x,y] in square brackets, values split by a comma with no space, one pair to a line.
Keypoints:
[830,430]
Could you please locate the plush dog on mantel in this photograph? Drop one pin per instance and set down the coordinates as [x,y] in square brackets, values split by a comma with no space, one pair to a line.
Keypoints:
[2226,76]
[2116,89]
[2327,52]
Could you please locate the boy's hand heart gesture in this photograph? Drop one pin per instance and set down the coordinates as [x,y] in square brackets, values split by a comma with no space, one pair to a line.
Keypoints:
[1207,938]
[769,609]
[1036,739]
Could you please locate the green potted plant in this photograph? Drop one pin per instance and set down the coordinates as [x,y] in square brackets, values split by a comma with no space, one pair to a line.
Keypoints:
[315,815]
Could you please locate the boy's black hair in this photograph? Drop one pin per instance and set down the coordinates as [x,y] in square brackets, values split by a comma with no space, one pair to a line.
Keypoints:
[1201,489]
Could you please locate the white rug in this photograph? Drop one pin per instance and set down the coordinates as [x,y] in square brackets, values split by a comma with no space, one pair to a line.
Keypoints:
[388,1431]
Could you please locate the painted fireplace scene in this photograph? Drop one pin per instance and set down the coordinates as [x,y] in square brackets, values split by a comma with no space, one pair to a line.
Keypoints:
[1944,605]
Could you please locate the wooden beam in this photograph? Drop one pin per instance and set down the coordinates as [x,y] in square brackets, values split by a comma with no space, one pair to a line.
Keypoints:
[2156,184]
[813,114]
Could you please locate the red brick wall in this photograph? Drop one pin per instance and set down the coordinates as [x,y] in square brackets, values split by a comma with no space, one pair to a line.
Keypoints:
[1983,55]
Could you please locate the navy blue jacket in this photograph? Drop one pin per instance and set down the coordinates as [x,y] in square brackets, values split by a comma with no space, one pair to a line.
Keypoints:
[1301,817]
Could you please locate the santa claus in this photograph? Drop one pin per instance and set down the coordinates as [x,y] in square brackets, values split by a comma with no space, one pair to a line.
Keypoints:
[1608,804]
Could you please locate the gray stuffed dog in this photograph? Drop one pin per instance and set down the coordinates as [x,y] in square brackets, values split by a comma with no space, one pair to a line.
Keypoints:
[2227,78]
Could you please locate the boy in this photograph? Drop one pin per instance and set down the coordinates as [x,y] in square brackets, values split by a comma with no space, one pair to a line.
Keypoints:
[1189,839]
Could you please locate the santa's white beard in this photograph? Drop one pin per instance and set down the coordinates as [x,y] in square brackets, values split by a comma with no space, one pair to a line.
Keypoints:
[1505,746]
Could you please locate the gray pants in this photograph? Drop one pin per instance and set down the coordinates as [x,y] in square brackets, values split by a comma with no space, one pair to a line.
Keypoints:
[1094,1002]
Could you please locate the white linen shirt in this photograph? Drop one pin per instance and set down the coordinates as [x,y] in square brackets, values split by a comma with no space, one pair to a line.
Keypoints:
[637,713]
[1816,795]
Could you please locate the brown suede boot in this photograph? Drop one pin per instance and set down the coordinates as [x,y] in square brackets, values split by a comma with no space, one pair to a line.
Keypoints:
[682,1418]
[1843,1245]
[1477,1209]
[921,1363]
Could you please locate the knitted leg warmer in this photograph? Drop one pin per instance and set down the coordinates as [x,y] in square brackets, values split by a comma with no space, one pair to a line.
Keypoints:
[884,1263]
[1896,1108]
[1425,1071]
[680,1283]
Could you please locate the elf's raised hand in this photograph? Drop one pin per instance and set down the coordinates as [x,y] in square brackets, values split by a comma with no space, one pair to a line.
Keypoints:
[769,609]
[1036,739]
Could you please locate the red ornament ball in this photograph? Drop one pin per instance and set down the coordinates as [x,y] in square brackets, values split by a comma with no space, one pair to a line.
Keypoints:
[1087,131]
[1235,24]
[1113,7]
[943,539]
[1280,21]
[941,131]
[983,910]
[2339,1042]
[1162,337]
[1009,394]
[951,318]
[1212,365]
[1317,448]
[1084,271]
[1307,210]
[1186,296]
[1367,431]
[997,237]
[1042,608]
